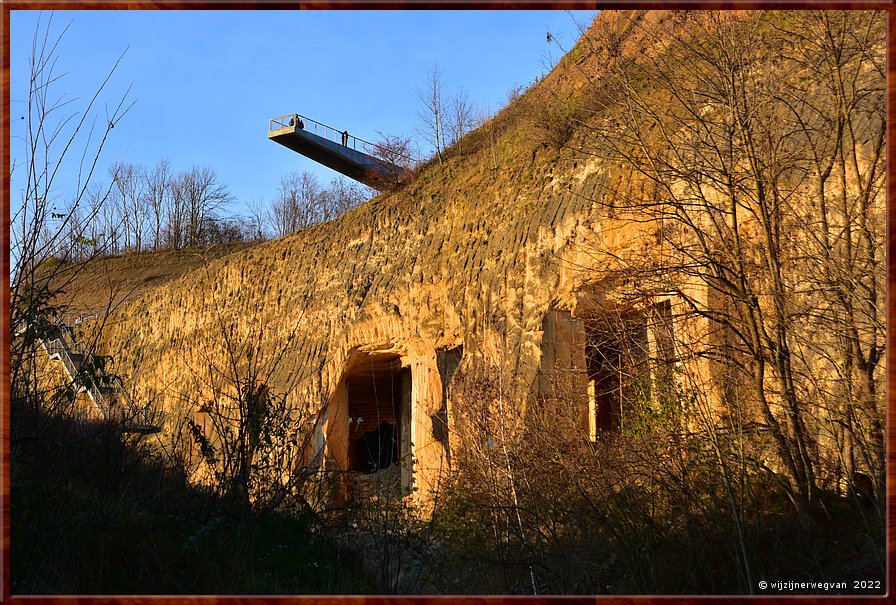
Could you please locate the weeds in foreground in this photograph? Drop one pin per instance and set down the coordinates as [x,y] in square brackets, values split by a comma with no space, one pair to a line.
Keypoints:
[94,512]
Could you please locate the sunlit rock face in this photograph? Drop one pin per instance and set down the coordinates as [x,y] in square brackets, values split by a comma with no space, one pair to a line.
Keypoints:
[475,268]
[382,305]
[488,268]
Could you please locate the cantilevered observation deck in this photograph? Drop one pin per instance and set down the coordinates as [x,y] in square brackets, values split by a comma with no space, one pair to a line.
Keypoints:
[355,158]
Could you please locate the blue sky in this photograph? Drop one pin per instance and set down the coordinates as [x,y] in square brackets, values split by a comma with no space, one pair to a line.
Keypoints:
[207,82]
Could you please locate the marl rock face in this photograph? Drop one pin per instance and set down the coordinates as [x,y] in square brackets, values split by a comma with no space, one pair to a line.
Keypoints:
[476,265]
[487,263]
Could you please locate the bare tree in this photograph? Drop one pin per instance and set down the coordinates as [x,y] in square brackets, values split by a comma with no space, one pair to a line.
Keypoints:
[345,196]
[196,196]
[296,206]
[302,202]
[432,114]
[463,116]
[176,222]
[257,444]
[57,141]
[398,154]
[50,233]
[157,197]
[83,228]
[723,149]
[107,218]
[840,123]
[129,189]
[259,216]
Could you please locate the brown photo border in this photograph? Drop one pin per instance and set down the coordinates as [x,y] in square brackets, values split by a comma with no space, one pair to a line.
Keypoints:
[8,5]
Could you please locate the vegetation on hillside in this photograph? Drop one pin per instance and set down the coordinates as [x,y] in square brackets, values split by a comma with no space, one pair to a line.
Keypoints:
[765,182]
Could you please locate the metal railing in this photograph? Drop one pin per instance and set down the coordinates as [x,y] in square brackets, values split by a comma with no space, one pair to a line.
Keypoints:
[64,347]
[340,137]
[58,347]
[62,344]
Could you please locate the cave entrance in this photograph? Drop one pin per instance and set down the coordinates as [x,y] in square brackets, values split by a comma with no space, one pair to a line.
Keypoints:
[379,395]
[617,368]
[603,357]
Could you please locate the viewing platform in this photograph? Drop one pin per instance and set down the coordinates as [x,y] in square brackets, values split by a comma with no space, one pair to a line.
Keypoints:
[356,158]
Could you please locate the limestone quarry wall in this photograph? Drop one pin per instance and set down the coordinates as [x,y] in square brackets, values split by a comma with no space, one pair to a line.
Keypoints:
[478,255]
[467,256]
[500,263]
[489,257]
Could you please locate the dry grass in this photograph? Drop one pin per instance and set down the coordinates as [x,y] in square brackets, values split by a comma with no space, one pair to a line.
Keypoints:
[106,282]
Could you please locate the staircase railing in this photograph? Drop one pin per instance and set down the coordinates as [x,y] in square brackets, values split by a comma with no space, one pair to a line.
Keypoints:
[62,350]
[61,345]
